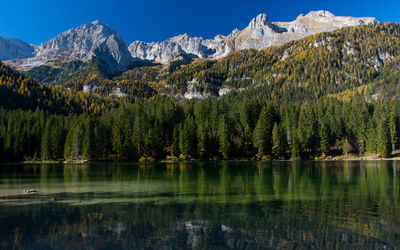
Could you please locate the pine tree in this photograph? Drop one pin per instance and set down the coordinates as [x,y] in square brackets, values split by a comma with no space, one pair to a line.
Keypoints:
[77,140]
[225,137]
[295,147]
[89,140]
[47,153]
[188,138]
[155,137]
[202,141]
[325,137]
[307,128]
[393,122]
[175,143]
[345,147]
[262,133]
[121,138]
[279,139]
[69,143]
[383,139]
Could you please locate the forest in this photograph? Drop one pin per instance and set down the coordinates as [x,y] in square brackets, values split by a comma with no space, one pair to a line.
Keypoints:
[333,94]
[204,129]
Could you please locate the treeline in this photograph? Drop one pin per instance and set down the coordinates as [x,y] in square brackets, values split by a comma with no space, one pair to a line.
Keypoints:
[205,129]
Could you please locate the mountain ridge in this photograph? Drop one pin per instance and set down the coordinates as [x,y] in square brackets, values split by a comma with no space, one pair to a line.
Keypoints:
[97,39]
[259,34]
[94,39]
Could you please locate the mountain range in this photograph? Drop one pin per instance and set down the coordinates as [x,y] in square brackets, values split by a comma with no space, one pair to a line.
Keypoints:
[99,40]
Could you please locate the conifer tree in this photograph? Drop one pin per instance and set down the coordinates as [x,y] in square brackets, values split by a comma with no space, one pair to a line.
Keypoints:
[188,138]
[202,140]
[279,139]
[175,143]
[393,123]
[89,140]
[383,139]
[307,128]
[262,134]
[225,137]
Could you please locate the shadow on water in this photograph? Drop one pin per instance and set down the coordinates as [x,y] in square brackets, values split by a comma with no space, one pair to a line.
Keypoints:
[242,205]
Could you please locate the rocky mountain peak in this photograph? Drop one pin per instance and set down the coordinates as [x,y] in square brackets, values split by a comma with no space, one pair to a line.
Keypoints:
[260,21]
[94,39]
[99,40]
[234,33]
[97,22]
[259,34]
[320,14]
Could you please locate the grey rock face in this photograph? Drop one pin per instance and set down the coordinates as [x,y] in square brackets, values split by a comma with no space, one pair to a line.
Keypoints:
[163,51]
[259,34]
[94,39]
[101,41]
[11,48]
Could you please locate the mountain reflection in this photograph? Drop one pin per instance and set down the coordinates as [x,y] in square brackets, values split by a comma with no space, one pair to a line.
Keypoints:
[201,205]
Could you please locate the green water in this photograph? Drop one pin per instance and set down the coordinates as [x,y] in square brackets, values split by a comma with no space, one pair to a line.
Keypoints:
[247,205]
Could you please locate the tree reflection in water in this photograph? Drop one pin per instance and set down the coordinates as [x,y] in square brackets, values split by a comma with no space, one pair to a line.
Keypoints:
[201,205]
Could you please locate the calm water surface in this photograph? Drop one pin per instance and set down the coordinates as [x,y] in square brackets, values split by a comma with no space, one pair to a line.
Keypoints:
[248,205]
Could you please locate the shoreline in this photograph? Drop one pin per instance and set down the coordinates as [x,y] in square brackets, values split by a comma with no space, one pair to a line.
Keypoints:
[77,162]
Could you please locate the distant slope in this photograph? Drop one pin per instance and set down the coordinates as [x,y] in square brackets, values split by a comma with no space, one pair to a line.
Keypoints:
[309,68]
[313,67]
[18,91]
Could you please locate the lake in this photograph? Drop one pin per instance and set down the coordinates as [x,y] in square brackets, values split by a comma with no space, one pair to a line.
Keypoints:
[211,205]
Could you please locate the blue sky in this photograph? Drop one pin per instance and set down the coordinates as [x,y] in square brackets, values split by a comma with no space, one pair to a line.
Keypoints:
[35,21]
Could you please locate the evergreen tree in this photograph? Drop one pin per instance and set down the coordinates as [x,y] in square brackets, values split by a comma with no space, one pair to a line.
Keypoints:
[279,139]
[308,128]
[68,146]
[383,139]
[175,143]
[47,152]
[295,147]
[188,138]
[77,140]
[325,137]
[345,147]
[89,140]
[155,138]
[262,134]
[393,123]
[225,137]
[202,141]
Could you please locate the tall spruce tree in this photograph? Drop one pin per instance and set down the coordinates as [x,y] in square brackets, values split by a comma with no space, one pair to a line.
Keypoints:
[307,128]
[175,142]
[262,136]
[393,124]
[89,140]
[188,138]
[279,139]
[384,147]
[225,137]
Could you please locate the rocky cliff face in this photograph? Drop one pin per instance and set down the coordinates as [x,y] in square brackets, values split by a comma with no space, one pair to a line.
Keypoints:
[11,48]
[82,43]
[101,41]
[259,34]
